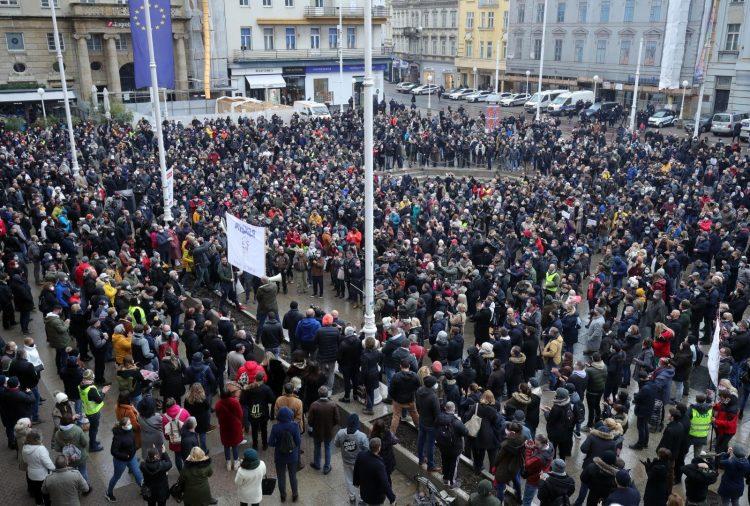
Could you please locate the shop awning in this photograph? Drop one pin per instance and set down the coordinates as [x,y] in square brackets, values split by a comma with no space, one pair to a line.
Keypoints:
[262,81]
[33,96]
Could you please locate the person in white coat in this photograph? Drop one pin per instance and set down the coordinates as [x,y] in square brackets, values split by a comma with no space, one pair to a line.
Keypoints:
[35,458]
[249,479]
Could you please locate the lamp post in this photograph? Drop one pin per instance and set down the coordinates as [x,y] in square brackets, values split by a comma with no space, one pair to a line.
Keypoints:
[528,74]
[369,317]
[497,64]
[541,63]
[685,85]
[475,78]
[596,81]
[429,91]
[634,106]
[41,99]
[341,56]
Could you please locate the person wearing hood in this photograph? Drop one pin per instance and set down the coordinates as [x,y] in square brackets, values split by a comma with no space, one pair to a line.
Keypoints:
[557,487]
[507,464]
[701,415]
[152,432]
[660,478]
[725,419]
[285,439]
[155,478]
[371,477]
[351,441]
[599,476]
[428,408]
[626,494]
[38,465]
[485,495]
[249,479]
[606,436]
[698,477]
[200,372]
[65,484]
[439,350]
[736,469]
[306,330]
[537,460]
[596,373]
[123,451]
[73,443]
[195,477]
[561,420]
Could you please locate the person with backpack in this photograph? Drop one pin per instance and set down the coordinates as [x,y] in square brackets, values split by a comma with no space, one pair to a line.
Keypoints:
[200,372]
[171,420]
[561,421]
[285,439]
[557,487]
[171,376]
[257,398]
[449,438]
[537,460]
[123,451]
[351,441]
[72,442]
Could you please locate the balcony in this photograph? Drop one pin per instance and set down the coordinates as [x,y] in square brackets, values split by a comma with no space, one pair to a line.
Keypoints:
[412,32]
[241,56]
[113,11]
[346,12]
[488,3]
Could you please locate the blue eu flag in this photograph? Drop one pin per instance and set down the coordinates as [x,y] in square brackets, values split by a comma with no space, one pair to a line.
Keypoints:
[161,28]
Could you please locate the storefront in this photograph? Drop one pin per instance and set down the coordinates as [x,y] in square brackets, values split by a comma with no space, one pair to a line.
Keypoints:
[325,84]
[263,83]
[294,77]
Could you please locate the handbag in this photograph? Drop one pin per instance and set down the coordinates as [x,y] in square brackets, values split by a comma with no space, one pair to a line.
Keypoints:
[145,492]
[268,486]
[474,423]
[177,491]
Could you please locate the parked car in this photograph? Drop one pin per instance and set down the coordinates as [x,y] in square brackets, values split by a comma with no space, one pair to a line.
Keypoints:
[495,98]
[405,87]
[723,122]
[595,108]
[745,131]
[477,96]
[566,102]
[514,100]
[542,99]
[424,89]
[663,118]
[704,125]
[456,94]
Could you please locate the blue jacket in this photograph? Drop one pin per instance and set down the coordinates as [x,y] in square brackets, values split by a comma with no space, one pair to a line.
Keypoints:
[306,329]
[371,478]
[733,479]
[285,423]
[626,496]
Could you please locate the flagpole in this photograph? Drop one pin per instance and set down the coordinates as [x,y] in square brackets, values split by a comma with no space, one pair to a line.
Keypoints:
[66,100]
[156,107]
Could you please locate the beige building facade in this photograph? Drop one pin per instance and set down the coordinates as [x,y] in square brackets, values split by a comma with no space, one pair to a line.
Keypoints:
[482,42]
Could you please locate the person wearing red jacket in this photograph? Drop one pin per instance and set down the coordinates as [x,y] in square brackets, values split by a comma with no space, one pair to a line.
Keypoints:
[726,413]
[246,373]
[663,340]
[538,455]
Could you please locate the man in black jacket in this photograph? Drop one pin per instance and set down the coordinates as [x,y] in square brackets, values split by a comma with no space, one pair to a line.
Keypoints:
[349,354]
[449,436]
[290,321]
[428,408]
[698,477]
[28,379]
[644,401]
[271,335]
[402,389]
[674,437]
[370,476]
[15,404]
[327,344]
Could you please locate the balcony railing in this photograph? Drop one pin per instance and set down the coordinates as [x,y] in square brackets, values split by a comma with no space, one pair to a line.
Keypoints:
[112,10]
[305,54]
[489,3]
[346,12]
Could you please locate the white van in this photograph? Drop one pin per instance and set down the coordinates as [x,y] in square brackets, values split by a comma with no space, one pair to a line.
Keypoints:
[543,99]
[311,109]
[567,101]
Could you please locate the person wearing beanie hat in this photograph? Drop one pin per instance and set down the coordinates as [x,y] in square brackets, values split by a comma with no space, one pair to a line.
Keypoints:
[557,487]
[327,346]
[15,405]
[599,478]
[736,467]
[485,495]
[428,408]
[561,419]
[249,478]
[625,494]
[351,441]
[439,350]
[92,400]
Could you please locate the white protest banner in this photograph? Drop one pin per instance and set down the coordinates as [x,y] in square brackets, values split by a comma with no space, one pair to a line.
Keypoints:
[247,246]
[713,356]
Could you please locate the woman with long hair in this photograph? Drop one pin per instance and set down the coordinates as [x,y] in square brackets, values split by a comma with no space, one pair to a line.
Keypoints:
[230,417]
[125,409]
[197,405]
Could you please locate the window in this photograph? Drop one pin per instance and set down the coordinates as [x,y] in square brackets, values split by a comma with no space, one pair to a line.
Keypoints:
[733,37]
[482,19]
[601,50]
[655,11]
[582,11]
[246,40]
[443,46]
[19,68]
[244,3]
[266,3]
[604,12]
[561,12]
[579,51]
[537,48]
[268,39]
[629,8]
[490,20]
[333,38]
[425,19]
[314,38]
[121,42]
[625,51]
[15,41]
[489,49]
[469,49]
[481,50]
[519,47]
[6,3]
[44,4]
[434,45]
[318,3]
[649,57]
[505,50]
[505,20]
[288,3]
[539,13]
[454,19]
[444,16]
[351,37]
[469,20]
[521,12]
[95,43]
[558,49]
[51,42]
[434,19]
[291,38]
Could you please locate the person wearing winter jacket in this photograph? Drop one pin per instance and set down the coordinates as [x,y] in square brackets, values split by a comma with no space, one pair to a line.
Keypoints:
[306,330]
[599,476]
[596,373]
[249,479]
[351,441]
[327,346]
[123,451]
[626,494]
[660,478]
[155,478]
[369,370]
[38,465]
[736,470]
[449,436]
[230,417]
[174,415]
[404,386]
[537,459]
[557,487]
[348,358]
[698,477]
[725,419]
[285,439]
[509,459]
[561,420]
[594,331]
[272,334]
[682,361]
[674,437]
[428,408]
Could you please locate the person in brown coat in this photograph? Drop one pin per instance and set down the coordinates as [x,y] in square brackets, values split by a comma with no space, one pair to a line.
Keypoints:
[290,400]
[509,459]
[323,417]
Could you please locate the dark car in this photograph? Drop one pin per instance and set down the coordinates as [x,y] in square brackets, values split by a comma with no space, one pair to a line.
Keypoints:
[595,108]
[703,126]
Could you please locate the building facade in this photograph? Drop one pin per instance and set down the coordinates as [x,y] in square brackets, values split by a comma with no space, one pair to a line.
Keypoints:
[482,43]
[95,42]
[727,86]
[425,41]
[287,50]
[588,38]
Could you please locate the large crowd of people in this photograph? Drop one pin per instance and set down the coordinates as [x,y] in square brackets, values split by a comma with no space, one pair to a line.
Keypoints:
[600,276]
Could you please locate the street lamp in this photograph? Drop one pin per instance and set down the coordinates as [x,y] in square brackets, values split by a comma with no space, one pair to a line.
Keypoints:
[528,73]
[685,85]
[541,63]
[476,87]
[429,91]
[44,111]
[596,80]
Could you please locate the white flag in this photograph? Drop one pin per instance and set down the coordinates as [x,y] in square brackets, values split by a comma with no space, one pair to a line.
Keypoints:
[713,356]
[247,246]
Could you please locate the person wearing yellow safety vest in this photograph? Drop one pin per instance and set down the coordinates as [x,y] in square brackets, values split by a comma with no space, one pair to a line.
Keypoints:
[551,281]
[137,314]
[92,401]
[700,414]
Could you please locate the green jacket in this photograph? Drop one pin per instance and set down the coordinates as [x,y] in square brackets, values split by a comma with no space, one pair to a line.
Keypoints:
[597,374]
[225,273]
[484,496]
[58,335]
[197,488]
[72,435]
